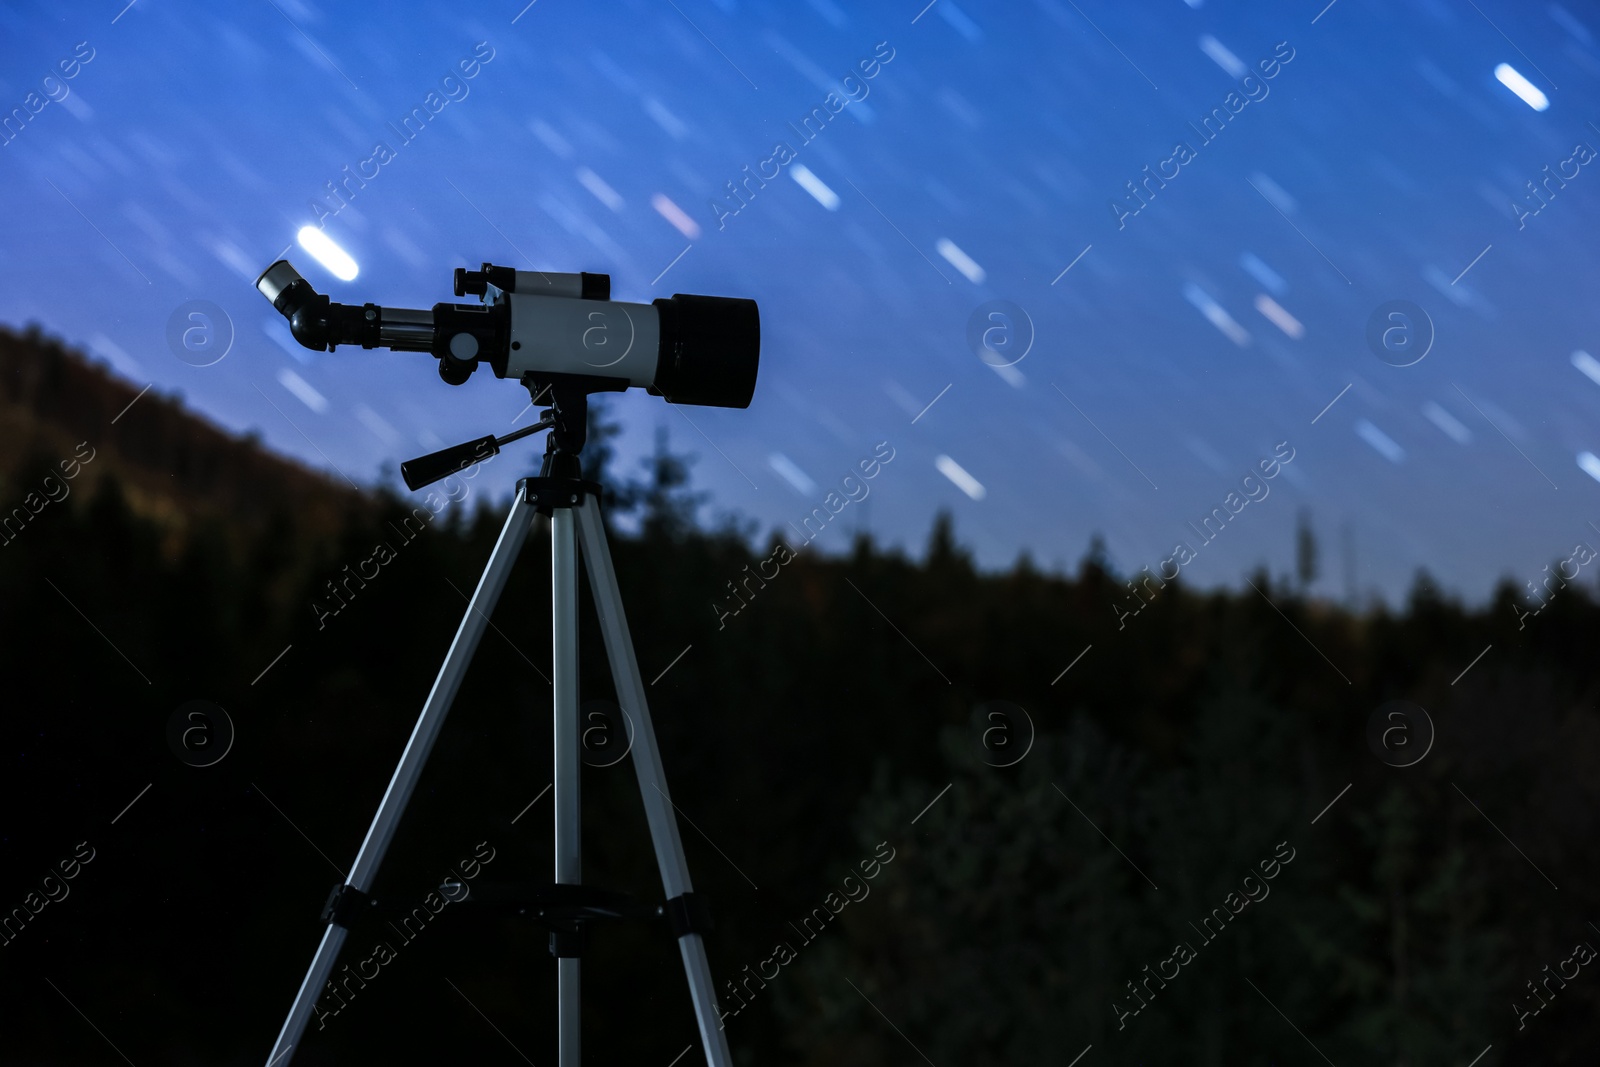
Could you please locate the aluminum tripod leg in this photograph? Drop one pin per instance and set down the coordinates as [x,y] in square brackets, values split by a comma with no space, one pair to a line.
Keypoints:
[647,763]
[564,627]
[393,806]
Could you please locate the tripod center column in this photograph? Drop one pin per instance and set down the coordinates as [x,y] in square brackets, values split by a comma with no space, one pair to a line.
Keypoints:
[564,602]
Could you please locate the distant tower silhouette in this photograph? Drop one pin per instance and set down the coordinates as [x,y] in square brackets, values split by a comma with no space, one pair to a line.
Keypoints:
[1305,552]
[1348,537]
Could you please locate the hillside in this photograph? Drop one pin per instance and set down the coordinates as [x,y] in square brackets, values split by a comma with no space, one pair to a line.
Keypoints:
[174,465]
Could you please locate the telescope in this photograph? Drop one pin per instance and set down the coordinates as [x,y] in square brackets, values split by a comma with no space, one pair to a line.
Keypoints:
[563,337]
[560,335]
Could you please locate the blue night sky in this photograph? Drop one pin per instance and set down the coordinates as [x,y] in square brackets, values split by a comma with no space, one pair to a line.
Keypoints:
[1173,347]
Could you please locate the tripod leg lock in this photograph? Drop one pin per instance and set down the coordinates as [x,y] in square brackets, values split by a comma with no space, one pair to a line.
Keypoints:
[687,913]
[344,904]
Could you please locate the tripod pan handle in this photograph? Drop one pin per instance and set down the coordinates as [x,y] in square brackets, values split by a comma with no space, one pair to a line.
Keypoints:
[426,470]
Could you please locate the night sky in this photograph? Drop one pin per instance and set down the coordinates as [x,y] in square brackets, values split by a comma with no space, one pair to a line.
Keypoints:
[1173,334]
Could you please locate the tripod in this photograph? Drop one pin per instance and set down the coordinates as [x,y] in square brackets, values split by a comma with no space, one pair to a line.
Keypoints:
[573,506]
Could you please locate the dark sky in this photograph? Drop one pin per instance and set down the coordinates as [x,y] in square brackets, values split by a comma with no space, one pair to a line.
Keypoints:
[1380,162]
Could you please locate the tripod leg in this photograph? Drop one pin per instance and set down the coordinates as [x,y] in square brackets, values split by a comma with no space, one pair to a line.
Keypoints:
[647,764]
[385,822]
[564,627]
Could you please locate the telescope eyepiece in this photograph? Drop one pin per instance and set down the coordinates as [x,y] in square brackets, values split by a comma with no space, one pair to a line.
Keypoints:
[276,280]
[304,307]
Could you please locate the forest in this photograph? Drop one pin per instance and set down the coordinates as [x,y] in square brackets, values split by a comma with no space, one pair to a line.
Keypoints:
[1196,839]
